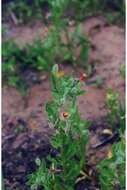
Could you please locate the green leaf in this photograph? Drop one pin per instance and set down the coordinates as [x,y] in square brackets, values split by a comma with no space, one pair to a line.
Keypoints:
[13,81]
[55,70]
[52,110]
[42,63]
[67,56]
[84,53]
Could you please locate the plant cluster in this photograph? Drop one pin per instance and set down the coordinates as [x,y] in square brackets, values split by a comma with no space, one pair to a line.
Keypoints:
[16,60]
[115,12]
[25,10]
[116,112]
[9,73]
[77,9]
[112,170]
[42,55]
[69,139]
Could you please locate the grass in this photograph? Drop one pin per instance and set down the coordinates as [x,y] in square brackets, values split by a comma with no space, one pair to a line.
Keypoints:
[24,11]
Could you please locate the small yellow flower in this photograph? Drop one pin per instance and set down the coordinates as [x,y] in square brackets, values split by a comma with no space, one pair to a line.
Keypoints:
[60,74]
[109,96]
[109,155]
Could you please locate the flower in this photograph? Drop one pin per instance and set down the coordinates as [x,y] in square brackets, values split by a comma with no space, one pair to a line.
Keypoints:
[109,155]
[65,115]
[82,77]
[60,74]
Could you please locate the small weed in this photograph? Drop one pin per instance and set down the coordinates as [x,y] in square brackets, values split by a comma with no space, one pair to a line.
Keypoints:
[112,170]
[73,40]
[9,67]
[116,113]
[23,11]
[123,71]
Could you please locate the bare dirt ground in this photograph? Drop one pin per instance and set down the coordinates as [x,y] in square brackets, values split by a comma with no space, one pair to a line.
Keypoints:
[107,54]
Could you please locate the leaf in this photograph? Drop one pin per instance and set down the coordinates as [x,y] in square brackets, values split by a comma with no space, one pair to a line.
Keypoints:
[42,63]
[52,110]
[13,81]
[56,141]
[55,70]
[67,56]
[84,53]
[71,150]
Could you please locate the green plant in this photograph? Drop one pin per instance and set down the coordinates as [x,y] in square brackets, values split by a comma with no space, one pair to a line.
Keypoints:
[9,66]
[69,139]
[73,41]
[76,41]
[16,60]
[43,54]
[24,10]
[113,10]
[116,110]
[37,56]
[84,8]
[123,71]
[112,170]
